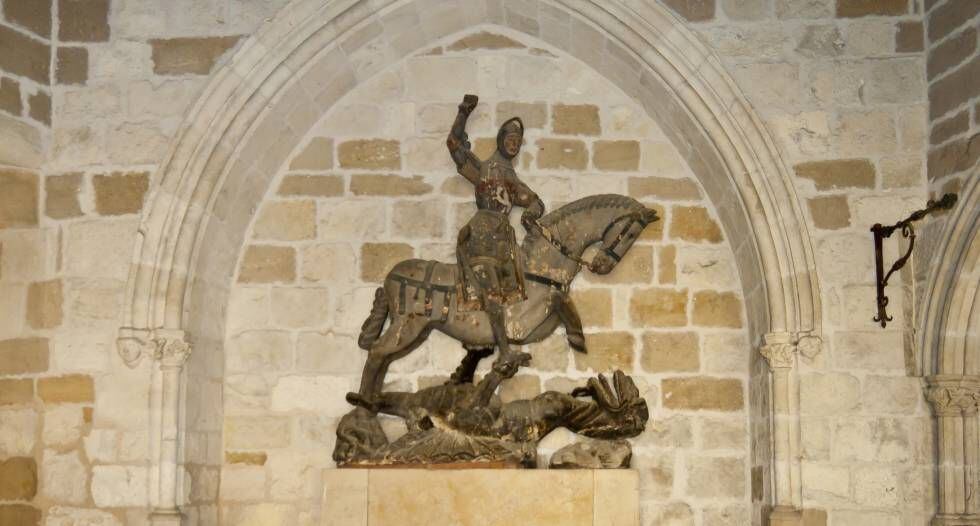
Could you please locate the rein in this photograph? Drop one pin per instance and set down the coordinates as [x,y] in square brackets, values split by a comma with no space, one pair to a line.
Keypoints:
[550,238]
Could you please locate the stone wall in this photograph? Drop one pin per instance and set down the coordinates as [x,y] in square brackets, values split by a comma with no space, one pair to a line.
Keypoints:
[373,184]
[842,86]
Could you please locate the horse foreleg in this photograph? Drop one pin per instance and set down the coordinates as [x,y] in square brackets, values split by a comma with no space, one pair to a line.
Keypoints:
[402,337]
[467,368]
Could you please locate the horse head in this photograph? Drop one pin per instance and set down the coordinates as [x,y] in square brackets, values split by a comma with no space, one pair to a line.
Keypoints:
[618,237]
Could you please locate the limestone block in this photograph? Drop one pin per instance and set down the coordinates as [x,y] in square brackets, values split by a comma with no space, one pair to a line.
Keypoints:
[695,224]
[429,154]
[703,393]
[594,306]
[771,84]
[826,484]
[718,433]
[267,264]
[532,78]
[262,515]
[64,479]
[377,259]
[286,221]
[44,300]
[717,309]
[316,155]
[299,307]
[16,391]
[352,308]
[62,425]
[19,200]
[242,483]
[18,478]
[792,9]
[119,486]
[884,440]
[829,394]
[859,8]
[352,220]
[328,262]
[495,497]
[388,185]
[329,352]
[89,243]
[608,351]
[876,486]
[31,248]
[577,119]
[815,434]
[866,133]
[102,445]
[256,432]
[664,188]
[820,41]
[724,352]
[533,115]
[246,458]
[81,351]
[122,398]
[120,193]
[551,354]
[260,351]
[419,219]
[877,351]
[318,394]
[13,303]
[72,388]
[292,476]
[18,432]
[561,154]
[714,477]
[693,11]
[705,267]
[131,143]
[891,394]
[830,213]
[246,392]
[65,516]
[658,307]
[187,55]
[371,154]
[94,302]
[616,155]
[846,259]
[440,79]
[679,513]
[675,431]
[670,351]
[312,186]
[23,356]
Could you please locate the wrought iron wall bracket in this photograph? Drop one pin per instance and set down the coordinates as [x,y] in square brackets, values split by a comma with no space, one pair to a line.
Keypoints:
[881,232]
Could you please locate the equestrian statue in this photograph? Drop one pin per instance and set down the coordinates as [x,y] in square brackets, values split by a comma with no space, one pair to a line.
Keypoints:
[497,295]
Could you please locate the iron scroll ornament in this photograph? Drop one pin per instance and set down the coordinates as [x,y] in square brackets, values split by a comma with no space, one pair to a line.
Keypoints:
[881,232]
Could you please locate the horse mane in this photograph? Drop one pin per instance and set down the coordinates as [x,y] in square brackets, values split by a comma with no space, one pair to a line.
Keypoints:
[591,203]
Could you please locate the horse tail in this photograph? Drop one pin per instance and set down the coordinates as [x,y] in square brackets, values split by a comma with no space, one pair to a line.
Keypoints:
[375,321]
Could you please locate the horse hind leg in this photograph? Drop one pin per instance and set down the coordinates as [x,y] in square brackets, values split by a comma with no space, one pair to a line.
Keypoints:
[467,368]
[403,336]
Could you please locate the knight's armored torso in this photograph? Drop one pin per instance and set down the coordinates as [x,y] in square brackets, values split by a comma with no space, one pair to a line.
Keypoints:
[495,189]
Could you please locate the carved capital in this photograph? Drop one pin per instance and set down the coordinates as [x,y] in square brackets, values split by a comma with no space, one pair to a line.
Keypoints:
[133,344]
[779,350]
[953,395]
[171,348]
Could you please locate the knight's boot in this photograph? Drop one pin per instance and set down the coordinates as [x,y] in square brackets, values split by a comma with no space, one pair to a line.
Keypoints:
[508,362]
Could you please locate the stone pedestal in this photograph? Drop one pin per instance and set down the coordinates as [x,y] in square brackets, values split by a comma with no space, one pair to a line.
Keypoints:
[480,497]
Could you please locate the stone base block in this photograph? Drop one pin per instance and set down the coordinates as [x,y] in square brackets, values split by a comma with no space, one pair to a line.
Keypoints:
[480,497]
[166,518]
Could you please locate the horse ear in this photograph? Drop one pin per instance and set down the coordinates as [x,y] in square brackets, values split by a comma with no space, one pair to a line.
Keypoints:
[650,215]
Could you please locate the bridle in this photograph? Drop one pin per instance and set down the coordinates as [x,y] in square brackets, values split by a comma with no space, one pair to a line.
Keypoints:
[635,217]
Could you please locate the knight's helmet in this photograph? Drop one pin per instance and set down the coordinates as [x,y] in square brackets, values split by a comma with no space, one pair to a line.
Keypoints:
[513,125]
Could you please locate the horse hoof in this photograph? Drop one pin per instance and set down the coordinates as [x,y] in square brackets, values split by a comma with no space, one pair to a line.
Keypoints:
[358,400]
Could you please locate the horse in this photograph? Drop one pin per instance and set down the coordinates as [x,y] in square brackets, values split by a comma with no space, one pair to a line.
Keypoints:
[419,296]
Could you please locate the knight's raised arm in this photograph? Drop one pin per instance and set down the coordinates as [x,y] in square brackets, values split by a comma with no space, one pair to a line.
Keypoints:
[458,142]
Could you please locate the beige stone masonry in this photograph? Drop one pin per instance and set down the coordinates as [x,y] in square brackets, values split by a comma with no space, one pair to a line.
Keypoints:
[18,479]
[317,155]
[716,309]
[378,258]
[616,155]
[44,301]
[580,119]
[268,264]
[388,185]
[693,223]
[312,186]
[118,193]
[389,497]
[188,55]
[374,154]
[19,199]
[558,154]
[533,115]
[670,352]
[61,196]
[16,391]
[608,351]
[24,356]
[664,188]
[830,213]
[73,388]
[847,173]
[702,393]
[286,221]
[658,307]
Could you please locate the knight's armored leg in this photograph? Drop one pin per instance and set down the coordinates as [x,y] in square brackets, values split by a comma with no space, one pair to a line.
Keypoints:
[507,361]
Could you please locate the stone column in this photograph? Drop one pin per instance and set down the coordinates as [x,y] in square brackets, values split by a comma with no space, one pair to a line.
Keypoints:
[955,400]
[171,352]
[780,351]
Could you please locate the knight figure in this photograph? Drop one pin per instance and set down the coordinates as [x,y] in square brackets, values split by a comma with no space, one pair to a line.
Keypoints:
[486,247]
